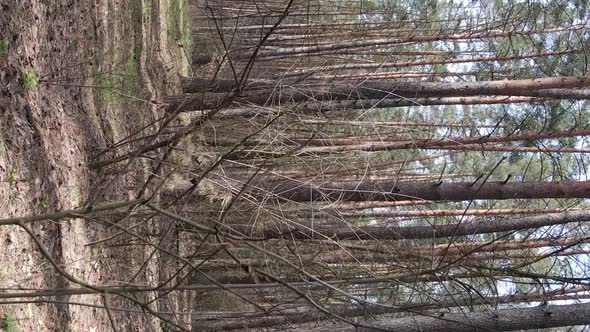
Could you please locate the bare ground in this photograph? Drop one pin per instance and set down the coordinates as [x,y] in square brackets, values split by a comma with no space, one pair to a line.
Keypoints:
[75,78]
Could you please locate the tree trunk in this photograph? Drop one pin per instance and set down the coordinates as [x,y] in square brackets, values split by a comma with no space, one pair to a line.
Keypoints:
[334,48]
[309,315]
[423,232]
[511,319]
[341,106]
[446,212]
[365,104]
[503,245]
[381,65]
[375,89]
[403,191]
[435,143]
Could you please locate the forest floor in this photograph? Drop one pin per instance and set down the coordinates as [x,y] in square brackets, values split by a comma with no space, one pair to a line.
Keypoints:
[76,77]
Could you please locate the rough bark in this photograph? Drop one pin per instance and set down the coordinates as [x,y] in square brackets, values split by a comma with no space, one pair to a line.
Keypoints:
[521,149]
[503,245]
[447,212]
[371,260]
[302,316]
[424,232]
[404,191]
[376,89]
[436,143]
[511,319]
[348,105]
[364,104]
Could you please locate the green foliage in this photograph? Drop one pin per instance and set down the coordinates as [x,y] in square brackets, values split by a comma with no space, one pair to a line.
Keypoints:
[120,82]
[106,83]
[12,193]
[3,48]
[165,326]
[2,144]
[129,80]
[45,202]
[185,28]
[146,9]
[174,22]
[30,78]
[9,323]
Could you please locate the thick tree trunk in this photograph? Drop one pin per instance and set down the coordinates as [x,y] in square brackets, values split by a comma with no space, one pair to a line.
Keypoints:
[403,191]
[310,315]
[341,106]
[347,310]
[376,89]
[511,319]
[423,232]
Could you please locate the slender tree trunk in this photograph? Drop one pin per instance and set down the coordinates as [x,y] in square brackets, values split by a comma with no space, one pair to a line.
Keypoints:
[359,76]
[503,245]
[365,104]
[521,149]
[422,232]
[396,124]
[335,47]
[461,248]
[380,65]
[435,143]
[370,260]
[448,212]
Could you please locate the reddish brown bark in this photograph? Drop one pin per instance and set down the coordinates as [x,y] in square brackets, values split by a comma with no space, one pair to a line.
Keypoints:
[523,149]
[403,191]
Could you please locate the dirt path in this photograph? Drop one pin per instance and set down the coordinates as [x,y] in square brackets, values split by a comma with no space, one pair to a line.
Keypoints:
[75,77]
